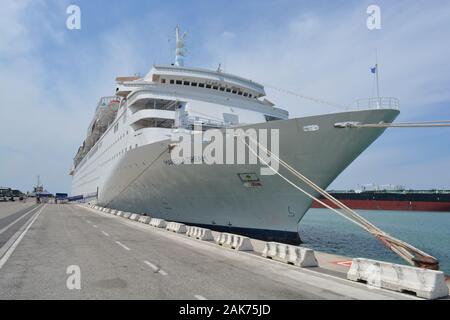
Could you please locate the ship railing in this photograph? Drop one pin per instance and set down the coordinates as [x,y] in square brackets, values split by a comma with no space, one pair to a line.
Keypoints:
[377,103]
[205,122]
[104,101]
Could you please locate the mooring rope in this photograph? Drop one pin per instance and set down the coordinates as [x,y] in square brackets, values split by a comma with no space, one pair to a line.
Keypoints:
[305,97]
[406,251]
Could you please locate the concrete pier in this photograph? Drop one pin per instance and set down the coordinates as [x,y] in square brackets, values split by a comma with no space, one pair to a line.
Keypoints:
[42,245]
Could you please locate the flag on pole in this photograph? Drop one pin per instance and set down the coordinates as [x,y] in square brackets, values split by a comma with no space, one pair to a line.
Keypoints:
[374,69]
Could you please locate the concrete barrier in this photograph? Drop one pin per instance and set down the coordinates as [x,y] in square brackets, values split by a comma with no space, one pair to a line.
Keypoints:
[235,241]
[158,223]
[119,213]
[126,215]
[190,231]
[297,256]
[145,219]
[222,239]
[113,211]
[134,217]
[176,227]
[200,233]
[427,284]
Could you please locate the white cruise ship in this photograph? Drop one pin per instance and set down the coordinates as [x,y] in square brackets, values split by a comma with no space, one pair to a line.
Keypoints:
[125,162]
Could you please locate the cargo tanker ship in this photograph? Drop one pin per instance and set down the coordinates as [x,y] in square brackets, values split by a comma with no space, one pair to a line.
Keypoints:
[401,200]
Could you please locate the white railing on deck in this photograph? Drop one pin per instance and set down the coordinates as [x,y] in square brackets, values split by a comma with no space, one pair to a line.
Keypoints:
[195,120]
[377,103]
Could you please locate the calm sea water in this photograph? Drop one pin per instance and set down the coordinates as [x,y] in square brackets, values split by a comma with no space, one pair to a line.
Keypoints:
[325,231]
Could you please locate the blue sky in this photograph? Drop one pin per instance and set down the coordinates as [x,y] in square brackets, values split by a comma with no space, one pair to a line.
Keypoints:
[52,77]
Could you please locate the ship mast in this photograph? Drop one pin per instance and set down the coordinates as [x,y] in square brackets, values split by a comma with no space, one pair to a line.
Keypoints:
[180,52]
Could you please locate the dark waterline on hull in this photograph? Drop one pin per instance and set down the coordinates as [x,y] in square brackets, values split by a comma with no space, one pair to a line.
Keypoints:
[260,234]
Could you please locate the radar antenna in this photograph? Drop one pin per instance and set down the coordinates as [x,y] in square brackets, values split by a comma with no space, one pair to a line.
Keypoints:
[180,49]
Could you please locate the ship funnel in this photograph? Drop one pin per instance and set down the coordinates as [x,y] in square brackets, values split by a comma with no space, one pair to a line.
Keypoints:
[180,49]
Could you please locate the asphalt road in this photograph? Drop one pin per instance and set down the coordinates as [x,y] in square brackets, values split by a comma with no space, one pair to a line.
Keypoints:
[121,259]
[13,215]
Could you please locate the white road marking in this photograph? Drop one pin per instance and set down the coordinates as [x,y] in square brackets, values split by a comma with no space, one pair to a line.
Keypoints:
[17,220]
[199,297]
[11,249]
[123,246]
[105,233]
[162,272]
[155,268]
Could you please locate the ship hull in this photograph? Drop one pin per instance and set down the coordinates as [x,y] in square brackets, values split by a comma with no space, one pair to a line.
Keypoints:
[146,181]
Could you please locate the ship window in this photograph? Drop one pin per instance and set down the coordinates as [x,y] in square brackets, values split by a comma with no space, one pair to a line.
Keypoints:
[179,82]
[186,83]
[250,96]
[215,87]
[245,94]
[234,91]
[222,89]
[201,85]
[163,81]
[153,123]
[172,81]
[228,90]
[193,84]
[208,86]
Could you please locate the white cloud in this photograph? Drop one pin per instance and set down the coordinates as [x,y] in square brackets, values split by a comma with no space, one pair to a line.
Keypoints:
[13,34]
